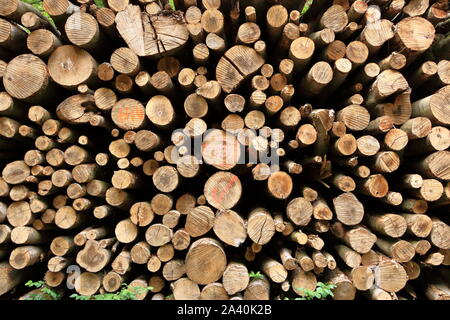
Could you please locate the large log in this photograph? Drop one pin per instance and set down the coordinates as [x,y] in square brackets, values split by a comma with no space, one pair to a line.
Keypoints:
[151,35]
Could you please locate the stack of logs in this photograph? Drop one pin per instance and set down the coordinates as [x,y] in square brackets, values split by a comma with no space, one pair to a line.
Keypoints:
[323,134]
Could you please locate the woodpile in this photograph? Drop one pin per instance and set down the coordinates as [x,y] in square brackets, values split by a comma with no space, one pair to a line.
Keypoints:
[184,149]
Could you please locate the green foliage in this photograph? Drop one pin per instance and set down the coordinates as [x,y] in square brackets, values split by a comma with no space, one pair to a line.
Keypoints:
[35,296]
[38,4]
[44,291]
[322,291]
[306,7]
[99,3]
[126,293]
[51,293]
[256,275]
[172,4]
[78,297]
[36,284]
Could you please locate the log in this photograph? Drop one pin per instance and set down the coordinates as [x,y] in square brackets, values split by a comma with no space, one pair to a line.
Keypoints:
[24,256]
[434,165]
[88,283]
[32,91]
[257,289]
[375,34]
[260,226]
[199,221]
[433,107]
[93,257]
[130,22]
[237,63]
[303,280]
[10,277]
[389,224]
[390,276]
[354,117]
[223,190]
[409,38]
[205,261]
[317,78]
[345,289]
[276,18]
[12,37]
[229,227]
[438,235]
[348,209]
[400,251]
[299,211]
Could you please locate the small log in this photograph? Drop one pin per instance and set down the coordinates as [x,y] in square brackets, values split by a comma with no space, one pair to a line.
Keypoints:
[25,256]
[305,262]
[400,251]
[10,277]
[260,226]
[276,17]
[317,78]
[354,117]
[274,270]
[303,280]
[435,165]
[348,209]
[257,289]
[93,258]
[392,225]
[390,276]
[62,245]
[362,278]
[209,269]
[231,74]
[128,114]
[375,34]
[299,211]
[229,227]
[350,257]
[433,107]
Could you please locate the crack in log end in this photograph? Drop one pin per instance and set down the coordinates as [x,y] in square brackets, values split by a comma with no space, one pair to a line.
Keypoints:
[151,35]
[237,64]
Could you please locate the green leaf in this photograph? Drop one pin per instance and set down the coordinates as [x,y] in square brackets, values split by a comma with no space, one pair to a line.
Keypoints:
[321,291]
[51,293]
[35,296]
[256,275]
[308,292]
[106,296]
[306,7]
[99,3]
[126,293]
[172,4]
[78,297]
[37,284]
[29,283]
